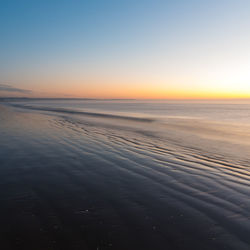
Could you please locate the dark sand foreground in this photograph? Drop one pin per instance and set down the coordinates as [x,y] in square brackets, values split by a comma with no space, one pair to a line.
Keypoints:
[70,183]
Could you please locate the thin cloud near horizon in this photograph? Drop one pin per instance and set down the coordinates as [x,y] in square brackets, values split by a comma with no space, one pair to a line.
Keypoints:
[10,88]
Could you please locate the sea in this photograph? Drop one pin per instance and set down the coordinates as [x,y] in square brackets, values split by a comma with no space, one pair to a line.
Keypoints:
[80,174]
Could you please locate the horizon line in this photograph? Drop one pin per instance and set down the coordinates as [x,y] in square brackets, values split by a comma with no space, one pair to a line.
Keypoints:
[88,98]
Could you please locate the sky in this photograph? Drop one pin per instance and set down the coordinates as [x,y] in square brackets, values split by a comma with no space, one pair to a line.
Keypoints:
[125,49]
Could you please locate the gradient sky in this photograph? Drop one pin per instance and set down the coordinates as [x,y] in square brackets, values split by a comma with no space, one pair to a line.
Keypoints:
[125,49]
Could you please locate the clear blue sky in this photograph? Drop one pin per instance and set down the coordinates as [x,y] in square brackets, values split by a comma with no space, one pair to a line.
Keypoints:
[100,48]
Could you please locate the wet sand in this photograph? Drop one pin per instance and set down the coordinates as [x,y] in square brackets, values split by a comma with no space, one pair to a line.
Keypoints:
[69,182]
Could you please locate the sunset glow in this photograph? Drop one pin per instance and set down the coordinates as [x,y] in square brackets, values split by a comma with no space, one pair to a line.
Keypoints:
[148,49]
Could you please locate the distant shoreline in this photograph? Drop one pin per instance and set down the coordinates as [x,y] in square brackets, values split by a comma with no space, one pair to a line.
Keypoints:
[3,99]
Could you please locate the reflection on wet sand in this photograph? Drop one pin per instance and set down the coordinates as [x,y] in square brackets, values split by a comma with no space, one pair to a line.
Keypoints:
[73,182]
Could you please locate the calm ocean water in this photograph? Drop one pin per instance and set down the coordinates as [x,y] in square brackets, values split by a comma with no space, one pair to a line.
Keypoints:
[95,174]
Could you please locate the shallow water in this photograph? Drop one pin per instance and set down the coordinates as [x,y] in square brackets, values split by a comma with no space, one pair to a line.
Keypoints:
[124,175]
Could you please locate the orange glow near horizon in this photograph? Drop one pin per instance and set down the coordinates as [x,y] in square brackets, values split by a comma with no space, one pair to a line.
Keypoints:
[138,92]
[227,82]
[181,85]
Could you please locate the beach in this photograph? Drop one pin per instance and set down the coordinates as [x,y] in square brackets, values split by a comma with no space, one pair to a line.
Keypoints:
[124,175]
